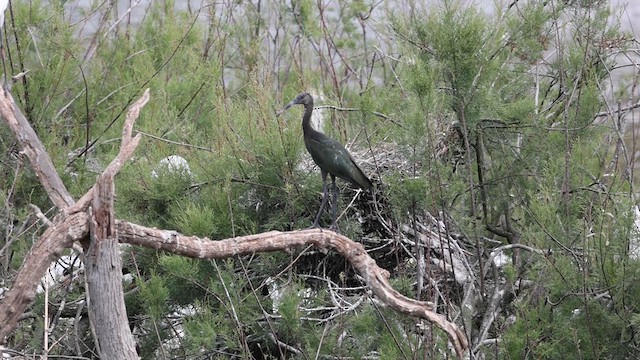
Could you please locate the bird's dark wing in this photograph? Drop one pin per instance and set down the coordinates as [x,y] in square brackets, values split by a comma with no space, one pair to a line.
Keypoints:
[333,158]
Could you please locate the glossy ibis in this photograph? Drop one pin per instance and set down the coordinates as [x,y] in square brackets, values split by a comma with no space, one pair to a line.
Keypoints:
[330,156]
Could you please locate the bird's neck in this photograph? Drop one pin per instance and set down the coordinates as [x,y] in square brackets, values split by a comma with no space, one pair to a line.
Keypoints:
[307,129]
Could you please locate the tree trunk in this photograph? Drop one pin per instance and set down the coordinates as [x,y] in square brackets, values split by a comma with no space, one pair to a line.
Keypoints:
[103,265]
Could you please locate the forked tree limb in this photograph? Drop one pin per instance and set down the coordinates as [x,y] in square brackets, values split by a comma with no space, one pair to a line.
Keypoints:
[69,226]
[375,277]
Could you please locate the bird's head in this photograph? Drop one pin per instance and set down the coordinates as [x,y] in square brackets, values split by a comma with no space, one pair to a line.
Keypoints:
[301,99]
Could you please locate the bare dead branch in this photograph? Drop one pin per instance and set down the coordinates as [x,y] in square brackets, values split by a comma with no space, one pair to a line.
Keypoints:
[69,226]
[491,313]
[495,252]
[127,146]
[374,276]
[451,260]
[35,152]
[61,235]
[619,110]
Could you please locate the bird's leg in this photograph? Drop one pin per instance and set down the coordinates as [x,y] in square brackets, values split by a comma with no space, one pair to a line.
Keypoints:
[325,196]
[334,204]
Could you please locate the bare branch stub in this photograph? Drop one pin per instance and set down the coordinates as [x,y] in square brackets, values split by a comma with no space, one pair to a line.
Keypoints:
[132,116]
[103,207]
[375,277]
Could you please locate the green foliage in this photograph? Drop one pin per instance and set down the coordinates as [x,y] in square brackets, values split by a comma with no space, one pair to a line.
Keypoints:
[563,331]
[202,329]
[531,37]
[196,219]
[407,194]
[155,296]
[290,310]
[183,277]
[305,18]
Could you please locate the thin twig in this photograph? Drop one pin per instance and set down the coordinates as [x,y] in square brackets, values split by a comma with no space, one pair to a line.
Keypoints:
[174,142]
[339,108]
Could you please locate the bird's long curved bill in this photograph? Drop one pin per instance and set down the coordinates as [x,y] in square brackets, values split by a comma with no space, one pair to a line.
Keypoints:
[285,108]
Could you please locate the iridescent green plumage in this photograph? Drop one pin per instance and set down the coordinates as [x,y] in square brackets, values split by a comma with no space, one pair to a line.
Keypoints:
[330,156]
